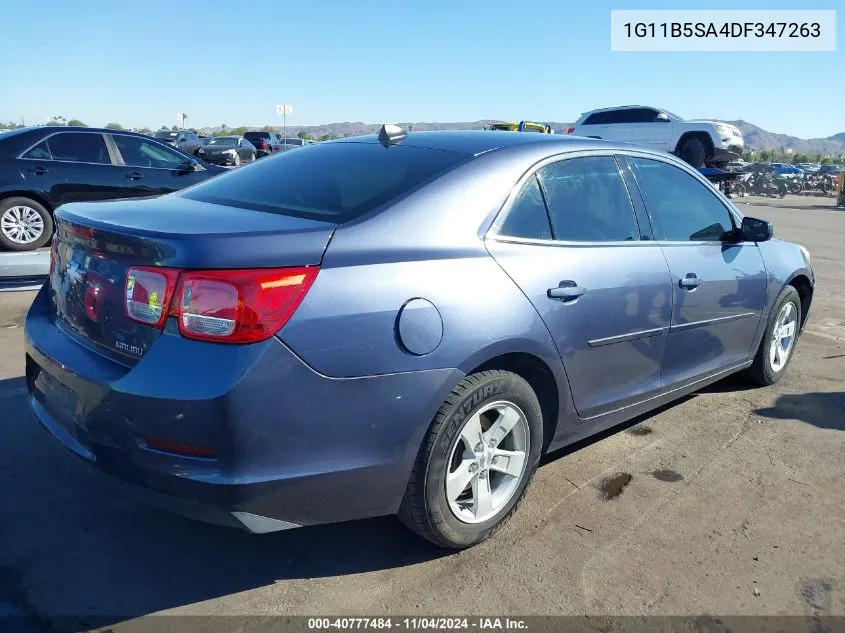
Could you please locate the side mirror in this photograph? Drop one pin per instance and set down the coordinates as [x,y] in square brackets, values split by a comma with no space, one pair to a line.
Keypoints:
[662,117]
[190,164]
[754,230]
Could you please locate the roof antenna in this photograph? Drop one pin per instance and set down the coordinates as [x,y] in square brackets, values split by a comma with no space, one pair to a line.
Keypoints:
[391,135]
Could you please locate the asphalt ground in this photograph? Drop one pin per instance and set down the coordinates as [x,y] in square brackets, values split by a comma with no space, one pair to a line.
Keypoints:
[733,505]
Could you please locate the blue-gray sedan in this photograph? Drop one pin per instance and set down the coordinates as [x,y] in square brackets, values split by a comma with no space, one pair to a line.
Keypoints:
[397,324]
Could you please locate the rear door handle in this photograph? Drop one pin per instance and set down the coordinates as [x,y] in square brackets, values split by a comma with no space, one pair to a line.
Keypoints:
[567,290]
[40,171]
[134,175]
[691,281]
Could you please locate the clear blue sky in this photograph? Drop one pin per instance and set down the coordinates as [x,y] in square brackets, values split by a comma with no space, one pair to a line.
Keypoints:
[139,63]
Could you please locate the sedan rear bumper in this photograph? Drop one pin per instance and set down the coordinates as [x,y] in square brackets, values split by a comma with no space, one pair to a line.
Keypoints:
[288,446]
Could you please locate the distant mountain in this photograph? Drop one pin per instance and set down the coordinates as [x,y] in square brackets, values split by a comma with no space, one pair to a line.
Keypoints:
[756,138]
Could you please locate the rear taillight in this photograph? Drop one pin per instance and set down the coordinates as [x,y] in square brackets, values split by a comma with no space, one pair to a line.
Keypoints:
[570,130]
[228,306]
[149,290]
[264,143]
[239,306]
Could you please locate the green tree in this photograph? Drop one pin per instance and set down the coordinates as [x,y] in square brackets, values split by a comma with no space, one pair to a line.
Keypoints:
[766,154]
[305,136]
[76,123]
[825,161]
[114,126]
[144,130]
[800,158]
[327,137]
[268,128]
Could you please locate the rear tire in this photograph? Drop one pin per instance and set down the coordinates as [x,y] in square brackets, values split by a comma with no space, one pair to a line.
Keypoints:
[694,152]
[769,365]
[24,224]
[460,493]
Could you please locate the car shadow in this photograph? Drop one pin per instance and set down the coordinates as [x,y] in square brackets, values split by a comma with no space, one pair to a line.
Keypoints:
[97,555]
[825,410]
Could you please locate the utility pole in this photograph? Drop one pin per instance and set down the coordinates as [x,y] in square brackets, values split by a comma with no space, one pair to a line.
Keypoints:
[284,110]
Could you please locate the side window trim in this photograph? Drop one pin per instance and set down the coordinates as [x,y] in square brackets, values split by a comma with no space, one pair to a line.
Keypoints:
[695,175]
[532,172]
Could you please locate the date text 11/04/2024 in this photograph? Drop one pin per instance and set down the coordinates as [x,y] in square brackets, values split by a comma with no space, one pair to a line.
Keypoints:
[728,29]
[417,623]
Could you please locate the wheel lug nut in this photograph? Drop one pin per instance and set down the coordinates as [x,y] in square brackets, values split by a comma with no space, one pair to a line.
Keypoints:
[479,447]
[495,460]
[492,443]
[483,474]
[473,467]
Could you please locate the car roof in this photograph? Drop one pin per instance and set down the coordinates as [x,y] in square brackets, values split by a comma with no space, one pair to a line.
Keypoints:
[476,142]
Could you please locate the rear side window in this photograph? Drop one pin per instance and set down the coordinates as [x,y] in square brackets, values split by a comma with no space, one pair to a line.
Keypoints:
[79,147]
[40,152]
[528,217]
[588,201]
[332,181]
[604,118]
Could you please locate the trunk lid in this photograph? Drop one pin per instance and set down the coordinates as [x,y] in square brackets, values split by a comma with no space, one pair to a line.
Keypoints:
[96,243]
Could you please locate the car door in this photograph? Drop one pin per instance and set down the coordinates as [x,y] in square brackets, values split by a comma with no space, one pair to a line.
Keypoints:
[73,167]
[646,129]
[719,282]
[600,285]
[149,168]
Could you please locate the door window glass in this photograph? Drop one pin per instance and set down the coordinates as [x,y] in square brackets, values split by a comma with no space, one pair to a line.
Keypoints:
[138,152]
[682,208]
[40,151]
[588,201]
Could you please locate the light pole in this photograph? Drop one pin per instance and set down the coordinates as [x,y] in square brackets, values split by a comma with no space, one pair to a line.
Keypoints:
[284,111]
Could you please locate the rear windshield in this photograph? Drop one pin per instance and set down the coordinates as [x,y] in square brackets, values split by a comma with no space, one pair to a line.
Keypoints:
[256,136]
[327,181]
[224,140]
[166,134]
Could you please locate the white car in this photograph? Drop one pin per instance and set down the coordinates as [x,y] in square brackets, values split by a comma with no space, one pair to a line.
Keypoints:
[697,142]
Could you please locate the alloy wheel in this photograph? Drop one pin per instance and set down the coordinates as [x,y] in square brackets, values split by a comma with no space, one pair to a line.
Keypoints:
[487,462]
[783,336]
[22,224]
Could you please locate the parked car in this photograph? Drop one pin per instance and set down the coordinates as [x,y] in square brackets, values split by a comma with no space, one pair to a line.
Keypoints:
[228,150]
[699,143]
[265,143]
[831,169]
[787,170]
[185,140]
[366,328]
[44,167]
[288,144]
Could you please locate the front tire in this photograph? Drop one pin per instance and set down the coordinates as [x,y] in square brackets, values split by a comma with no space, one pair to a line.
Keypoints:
[476,461]
[778,344]
[24,224]
[694,152]
[237,160]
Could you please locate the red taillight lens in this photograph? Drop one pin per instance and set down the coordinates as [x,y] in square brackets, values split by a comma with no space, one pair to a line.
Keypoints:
[149,290]
[570,130]
[239,306]
[264,143]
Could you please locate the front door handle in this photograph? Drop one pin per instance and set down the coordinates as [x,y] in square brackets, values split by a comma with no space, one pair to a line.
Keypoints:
[567,290]
[134,175]
[40,171]
[690,282]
